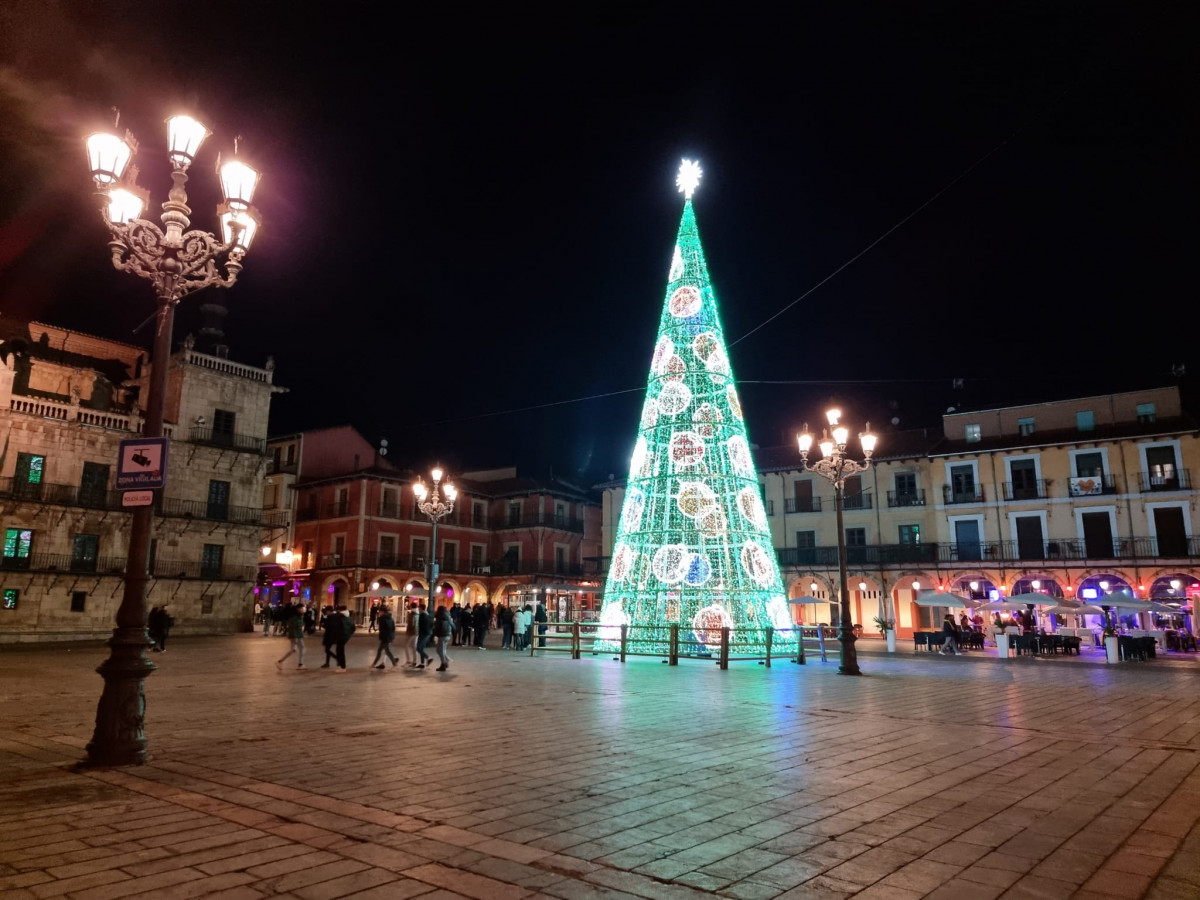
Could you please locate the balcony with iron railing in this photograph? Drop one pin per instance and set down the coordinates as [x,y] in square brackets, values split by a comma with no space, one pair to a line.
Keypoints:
[449,565]
[952,495]
[175,568]
[1034,489]
[802,504]
[278,467]
[906,498]
[82,497]
[205,434]
[1176,480]
[115,565]
[856,501]
[951,554]
[770,507]
[64,562]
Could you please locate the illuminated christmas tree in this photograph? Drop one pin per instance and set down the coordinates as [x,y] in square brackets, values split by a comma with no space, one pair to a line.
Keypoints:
[693,546]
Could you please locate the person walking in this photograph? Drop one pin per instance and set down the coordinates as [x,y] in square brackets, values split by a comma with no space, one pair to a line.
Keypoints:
[295,633]
[410,635]
[374,617]
[330,625]
[387,633]
[443,627]
[540,616]
[424,632]
[455,615]
[342,635]
[159,625]
[950,635]
[266,619]
[481,617]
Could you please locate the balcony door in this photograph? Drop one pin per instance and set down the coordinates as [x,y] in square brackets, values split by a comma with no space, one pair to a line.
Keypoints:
[1030,541]
[962,485]
[218,500]
[1161,468]
[1170,531]
[1024,479]
[1097,535]
[93,485]
[966,540]
[804,495]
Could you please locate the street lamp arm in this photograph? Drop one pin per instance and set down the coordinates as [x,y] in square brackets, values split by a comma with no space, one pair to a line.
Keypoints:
[140,247]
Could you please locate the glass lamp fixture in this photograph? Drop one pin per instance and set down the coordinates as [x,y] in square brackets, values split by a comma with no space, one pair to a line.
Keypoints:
[238,182]
[125,205]
[916,585]
[805,440]
[862,585]
[813,586]
[833,415]
[867,439]
[974,585]
[238,227]
[184,137]
[266,550]
[1036,585]
[437,475]
[108,155]
[826,446]
[840,435]
[420,490]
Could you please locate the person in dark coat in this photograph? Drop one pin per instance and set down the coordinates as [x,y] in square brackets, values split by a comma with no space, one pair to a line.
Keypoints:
[504,618]
[374,618]
[342,635]
[481,616]
[540,616]
[330,625]
[387,633]
[424,632]
[443,627]
[455,615]
[153,623]
[160,627]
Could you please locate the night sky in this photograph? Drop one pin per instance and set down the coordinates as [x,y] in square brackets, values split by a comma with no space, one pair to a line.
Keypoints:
[470,213]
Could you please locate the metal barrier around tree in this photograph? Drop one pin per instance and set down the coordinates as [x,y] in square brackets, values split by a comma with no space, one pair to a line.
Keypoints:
[675,642]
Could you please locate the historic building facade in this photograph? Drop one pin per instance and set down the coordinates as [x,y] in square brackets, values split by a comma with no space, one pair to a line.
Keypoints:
[67,400]
[356,525]
[1069,497]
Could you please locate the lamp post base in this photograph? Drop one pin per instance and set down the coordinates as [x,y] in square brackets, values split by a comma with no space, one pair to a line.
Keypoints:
[849,663]
[119,738]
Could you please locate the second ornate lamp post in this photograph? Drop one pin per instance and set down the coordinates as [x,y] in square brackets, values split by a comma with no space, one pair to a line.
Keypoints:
[836,466]
[436,508]
[176,262]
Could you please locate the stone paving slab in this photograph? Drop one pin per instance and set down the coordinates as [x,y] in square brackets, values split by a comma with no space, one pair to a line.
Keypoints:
[513,777]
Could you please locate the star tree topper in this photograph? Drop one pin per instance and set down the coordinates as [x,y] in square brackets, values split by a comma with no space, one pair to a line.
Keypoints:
[688,177]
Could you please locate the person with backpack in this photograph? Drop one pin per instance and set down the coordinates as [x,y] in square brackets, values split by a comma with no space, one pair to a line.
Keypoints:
[410,635]
[330,626]
[386,626]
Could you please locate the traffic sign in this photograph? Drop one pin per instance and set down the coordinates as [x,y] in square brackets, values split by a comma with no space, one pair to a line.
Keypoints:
[142,464]
[137,498]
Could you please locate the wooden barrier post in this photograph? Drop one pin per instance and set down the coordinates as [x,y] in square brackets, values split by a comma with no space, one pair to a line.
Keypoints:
[574,640]
[624,640]
[724,661]
[770,635]
[673,647]
[800,660]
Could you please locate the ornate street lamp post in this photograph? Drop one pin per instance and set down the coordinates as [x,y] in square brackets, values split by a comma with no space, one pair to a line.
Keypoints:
[176,262]
[436,508]
[836,466]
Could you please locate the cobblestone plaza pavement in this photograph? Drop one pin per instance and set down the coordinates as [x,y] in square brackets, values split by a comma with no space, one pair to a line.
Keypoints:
[513,777]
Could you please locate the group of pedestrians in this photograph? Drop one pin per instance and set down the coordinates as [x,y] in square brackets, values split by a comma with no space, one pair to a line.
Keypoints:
[421,631]
[516,626]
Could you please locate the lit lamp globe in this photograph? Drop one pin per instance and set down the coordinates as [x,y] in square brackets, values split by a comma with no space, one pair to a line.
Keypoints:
[184,137]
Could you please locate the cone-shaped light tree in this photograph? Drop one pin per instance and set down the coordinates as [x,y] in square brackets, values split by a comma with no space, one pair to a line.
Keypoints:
[693,546]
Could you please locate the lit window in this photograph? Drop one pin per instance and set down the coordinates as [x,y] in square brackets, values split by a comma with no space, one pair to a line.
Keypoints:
[1146,413]
[1025,426]
[1085,421]
[974,434]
